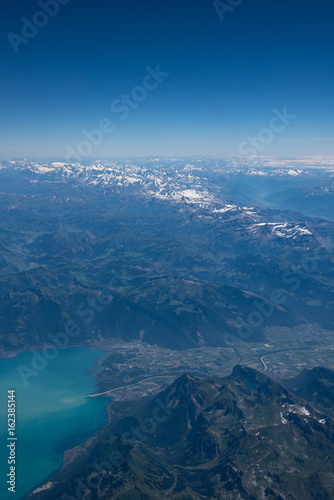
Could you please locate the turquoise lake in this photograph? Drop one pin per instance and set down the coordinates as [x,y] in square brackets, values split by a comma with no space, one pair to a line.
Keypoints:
[53,414]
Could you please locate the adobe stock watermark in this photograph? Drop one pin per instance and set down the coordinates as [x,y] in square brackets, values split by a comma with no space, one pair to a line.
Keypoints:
[87,311]
[40,19]
[265,307]
[223,7]
[278,124]
[148,426]
[121,107]
[134,436]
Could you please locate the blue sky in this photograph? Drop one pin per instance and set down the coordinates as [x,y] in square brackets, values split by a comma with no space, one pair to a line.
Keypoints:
[225,77]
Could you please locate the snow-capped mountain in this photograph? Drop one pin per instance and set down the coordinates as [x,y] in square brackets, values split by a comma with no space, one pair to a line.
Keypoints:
[222,184]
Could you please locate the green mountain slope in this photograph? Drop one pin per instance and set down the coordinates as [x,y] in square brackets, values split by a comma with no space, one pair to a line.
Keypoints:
[241,437]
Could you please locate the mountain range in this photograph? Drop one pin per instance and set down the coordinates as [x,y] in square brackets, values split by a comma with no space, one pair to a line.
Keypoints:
[170,246]
[241,437]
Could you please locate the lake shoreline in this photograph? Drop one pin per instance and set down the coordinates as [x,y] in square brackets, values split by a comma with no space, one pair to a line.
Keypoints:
[58,397]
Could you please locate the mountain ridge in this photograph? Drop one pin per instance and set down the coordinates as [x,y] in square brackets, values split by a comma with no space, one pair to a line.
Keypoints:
[241,437]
